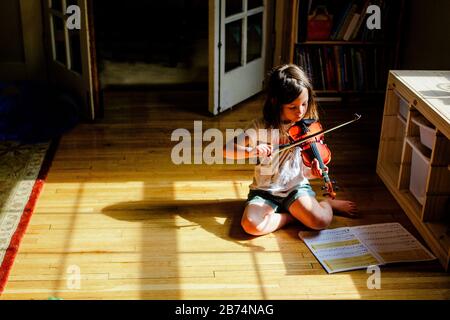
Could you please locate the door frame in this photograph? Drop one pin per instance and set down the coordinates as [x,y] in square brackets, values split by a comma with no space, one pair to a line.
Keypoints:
[97,93]
[214,54]
[286,29]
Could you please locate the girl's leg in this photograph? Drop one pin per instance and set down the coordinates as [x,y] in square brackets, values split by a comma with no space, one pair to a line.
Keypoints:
[318,215]
[343,207]
[260,219]
[313,214]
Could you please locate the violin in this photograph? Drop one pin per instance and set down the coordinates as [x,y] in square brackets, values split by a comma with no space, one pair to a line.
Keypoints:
[314,148]
[308,134]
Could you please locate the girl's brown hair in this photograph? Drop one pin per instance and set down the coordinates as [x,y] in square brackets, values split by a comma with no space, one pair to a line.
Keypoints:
[284,84]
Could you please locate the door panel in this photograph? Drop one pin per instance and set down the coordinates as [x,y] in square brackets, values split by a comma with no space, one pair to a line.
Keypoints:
[70,60]
[237,51]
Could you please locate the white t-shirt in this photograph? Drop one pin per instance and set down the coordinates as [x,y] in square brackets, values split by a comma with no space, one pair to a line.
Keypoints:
[286,170]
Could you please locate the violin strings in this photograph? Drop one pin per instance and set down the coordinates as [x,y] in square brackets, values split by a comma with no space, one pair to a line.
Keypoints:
[357,117]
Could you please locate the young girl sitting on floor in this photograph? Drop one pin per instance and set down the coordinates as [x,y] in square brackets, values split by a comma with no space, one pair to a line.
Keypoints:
[280,194]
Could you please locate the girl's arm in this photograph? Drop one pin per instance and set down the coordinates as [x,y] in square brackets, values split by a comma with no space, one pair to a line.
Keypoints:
[233,150]
[236,151]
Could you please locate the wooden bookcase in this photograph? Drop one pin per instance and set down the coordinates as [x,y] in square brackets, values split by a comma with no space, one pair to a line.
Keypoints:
[357,66]
[416,95]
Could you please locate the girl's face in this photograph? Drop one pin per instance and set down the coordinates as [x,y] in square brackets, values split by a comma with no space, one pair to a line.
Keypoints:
[295,110]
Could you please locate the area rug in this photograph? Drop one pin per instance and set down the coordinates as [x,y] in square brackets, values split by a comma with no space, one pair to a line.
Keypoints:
[23,169]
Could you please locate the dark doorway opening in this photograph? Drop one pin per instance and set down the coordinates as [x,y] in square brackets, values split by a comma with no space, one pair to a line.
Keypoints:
[152,43]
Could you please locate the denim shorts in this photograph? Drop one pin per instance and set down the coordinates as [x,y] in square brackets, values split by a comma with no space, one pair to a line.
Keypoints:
[279,204]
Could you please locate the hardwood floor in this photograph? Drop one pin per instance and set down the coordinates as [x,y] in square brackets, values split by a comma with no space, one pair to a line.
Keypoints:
[136,226]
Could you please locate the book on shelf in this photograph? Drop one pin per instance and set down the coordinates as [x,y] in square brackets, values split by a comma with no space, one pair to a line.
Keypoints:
[339,21]
[351,27]
[344,68]
[349,19]
[360,73]
[322,69]
[338,67]
[354,58]
[362,19]
[354,69]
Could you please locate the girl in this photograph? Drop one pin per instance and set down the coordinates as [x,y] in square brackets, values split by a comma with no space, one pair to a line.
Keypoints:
[281,193]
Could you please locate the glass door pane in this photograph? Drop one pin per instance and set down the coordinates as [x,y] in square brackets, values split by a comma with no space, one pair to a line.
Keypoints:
[254,36]
[56,5]
[252,4]
[233,45]
[75,51]
[59,44]
[233,7]
[71,2]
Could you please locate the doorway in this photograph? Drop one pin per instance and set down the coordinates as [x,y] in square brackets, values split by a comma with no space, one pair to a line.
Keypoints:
[152,43]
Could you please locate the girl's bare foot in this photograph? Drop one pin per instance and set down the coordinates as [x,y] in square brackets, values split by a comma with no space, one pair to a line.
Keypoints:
[343,207]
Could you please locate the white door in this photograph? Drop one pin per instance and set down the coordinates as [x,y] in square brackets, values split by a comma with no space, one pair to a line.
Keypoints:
[237,51]
[70,60]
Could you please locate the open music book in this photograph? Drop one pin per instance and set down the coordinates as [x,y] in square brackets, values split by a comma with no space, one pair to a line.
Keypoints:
[359,247]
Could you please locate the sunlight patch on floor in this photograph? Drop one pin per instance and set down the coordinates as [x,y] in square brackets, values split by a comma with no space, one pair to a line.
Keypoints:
[326,284]
[207,190]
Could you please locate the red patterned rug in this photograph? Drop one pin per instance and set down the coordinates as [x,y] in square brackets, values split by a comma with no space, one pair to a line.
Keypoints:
[23,169]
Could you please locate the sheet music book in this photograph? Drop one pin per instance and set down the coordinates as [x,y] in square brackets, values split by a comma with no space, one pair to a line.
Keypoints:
[351,248]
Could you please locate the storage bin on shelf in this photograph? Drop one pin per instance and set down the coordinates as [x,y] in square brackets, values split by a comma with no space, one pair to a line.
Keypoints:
[420,166]
[403,106]
[427,131]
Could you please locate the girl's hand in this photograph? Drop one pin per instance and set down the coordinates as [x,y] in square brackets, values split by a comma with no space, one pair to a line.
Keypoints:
[262,150]
[315,169]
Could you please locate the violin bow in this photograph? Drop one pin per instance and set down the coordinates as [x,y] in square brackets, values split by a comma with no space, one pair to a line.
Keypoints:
[319,133]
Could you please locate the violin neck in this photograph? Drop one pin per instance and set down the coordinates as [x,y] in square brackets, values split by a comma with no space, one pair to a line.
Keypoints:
[325,177]
[317,155]
[316,152]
